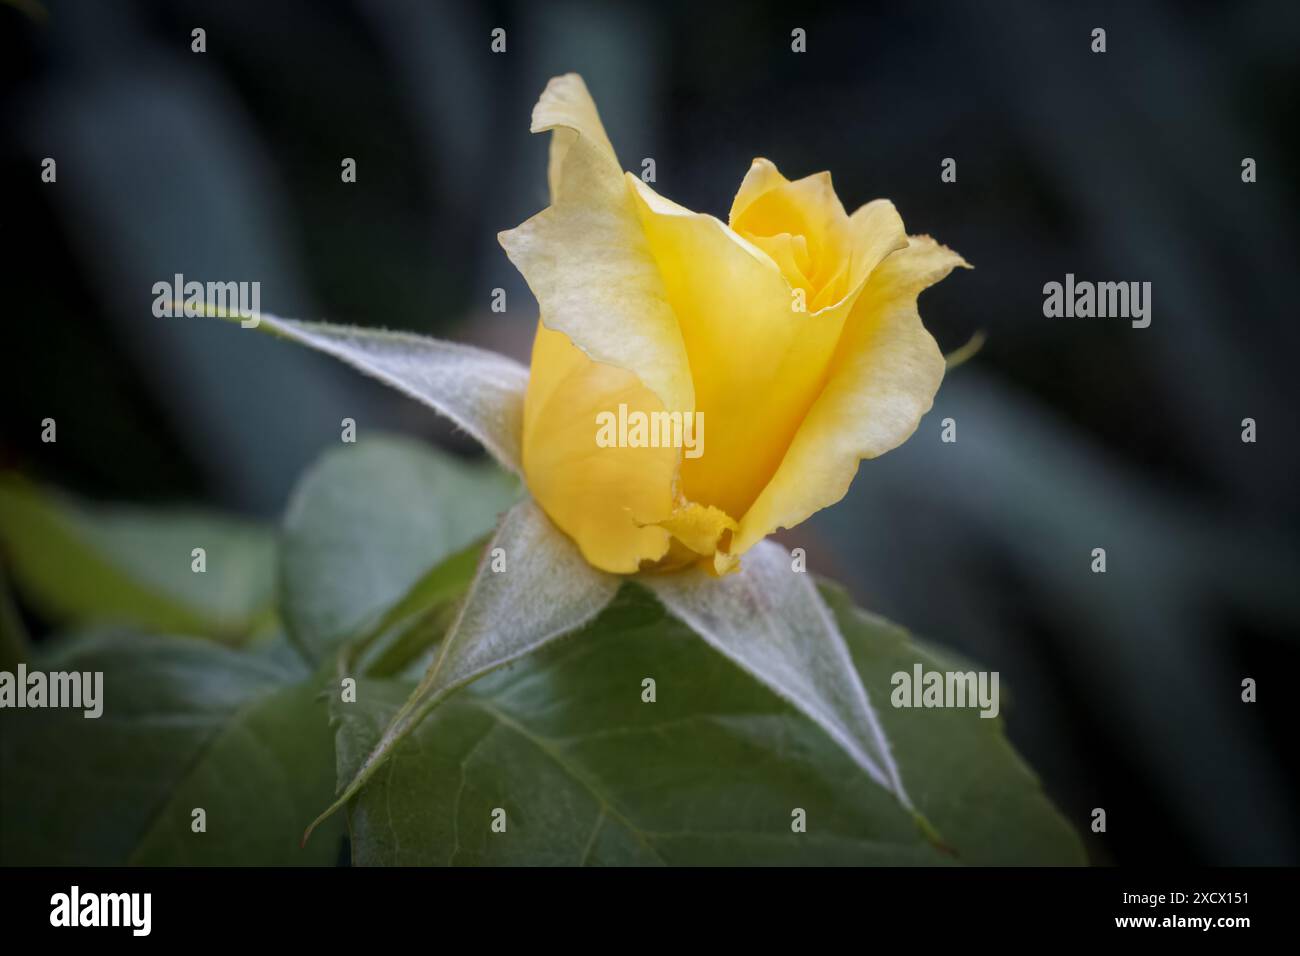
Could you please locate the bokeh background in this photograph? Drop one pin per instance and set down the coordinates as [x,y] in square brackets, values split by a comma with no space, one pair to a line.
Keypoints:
[1124,688]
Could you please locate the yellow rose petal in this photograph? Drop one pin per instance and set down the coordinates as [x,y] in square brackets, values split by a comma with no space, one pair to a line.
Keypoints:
[768,206]
[763,177]
[758,365]
[876,231]
[698,527]
[882,379]
[586,259]
[609,500]
[566,108]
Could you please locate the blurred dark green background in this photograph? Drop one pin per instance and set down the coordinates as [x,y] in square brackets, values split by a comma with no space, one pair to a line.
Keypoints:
[1072,434]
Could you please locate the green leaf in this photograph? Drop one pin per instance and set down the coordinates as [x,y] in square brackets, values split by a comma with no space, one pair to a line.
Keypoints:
[367,522]
[407,633]
[185,725]
[14,643]
[78,564]
[708,774]
[480,391]
[770,620]
[533,586]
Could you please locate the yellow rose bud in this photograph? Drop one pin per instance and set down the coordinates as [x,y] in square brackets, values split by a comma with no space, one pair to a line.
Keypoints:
[790,334]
